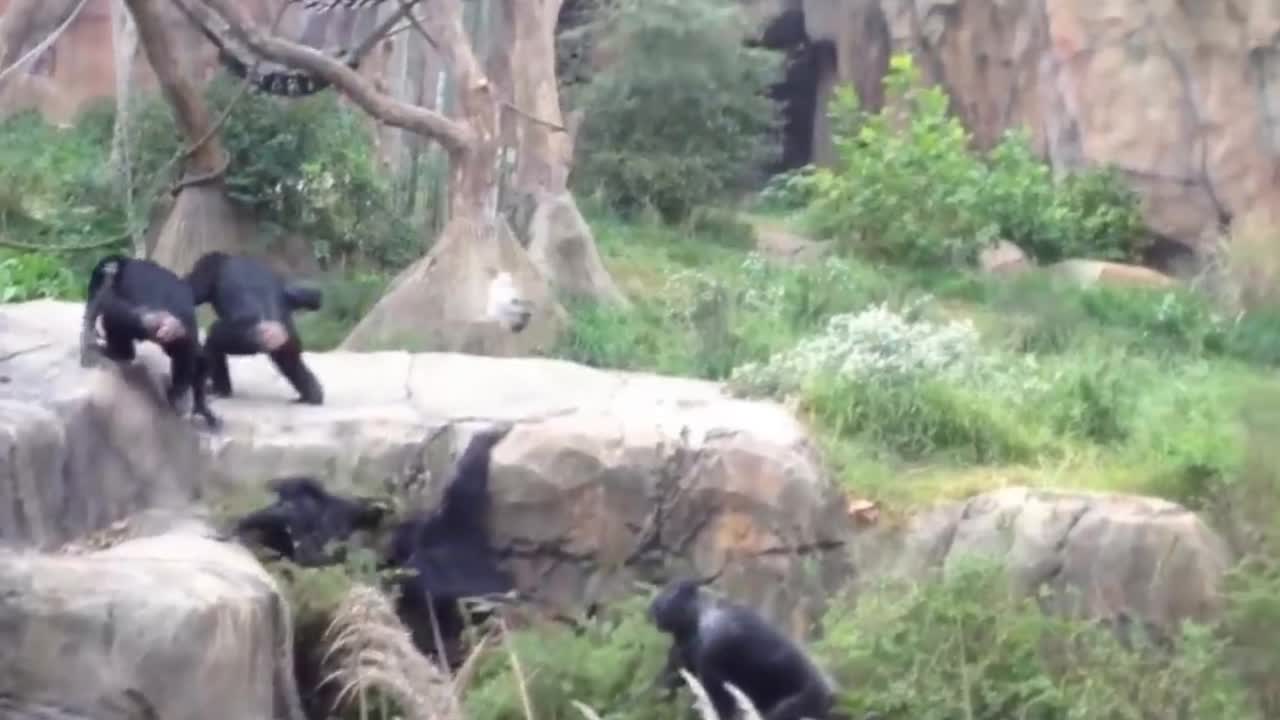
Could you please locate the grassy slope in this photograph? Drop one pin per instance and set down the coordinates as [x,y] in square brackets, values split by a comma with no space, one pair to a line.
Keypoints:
[1150,386]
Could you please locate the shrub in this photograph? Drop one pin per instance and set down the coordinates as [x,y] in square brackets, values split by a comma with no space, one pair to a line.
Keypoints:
[907,187]
[304,166]
[681,114]
[609,667]
[35,276]
[965,646]
[915,387]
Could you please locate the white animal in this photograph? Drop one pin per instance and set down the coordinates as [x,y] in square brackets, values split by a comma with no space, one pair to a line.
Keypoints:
[505,306]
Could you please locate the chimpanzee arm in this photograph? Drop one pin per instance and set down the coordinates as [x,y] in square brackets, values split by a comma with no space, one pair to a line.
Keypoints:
[203,277]
[713,681]
[669,677]
[302,297]
[272,526]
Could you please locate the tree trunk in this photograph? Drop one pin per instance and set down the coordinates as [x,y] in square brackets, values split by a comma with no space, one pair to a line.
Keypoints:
[543,212]
[451,284]
[202,218]
[124,48]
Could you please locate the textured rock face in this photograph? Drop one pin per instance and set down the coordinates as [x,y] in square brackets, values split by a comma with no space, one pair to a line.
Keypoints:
[195,626]
[606,477]
[1141,557]
[1179,96]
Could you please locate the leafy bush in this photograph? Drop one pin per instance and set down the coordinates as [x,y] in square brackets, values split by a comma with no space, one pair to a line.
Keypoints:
[966,647]
[55,186]
[347,299]
[609,667]
[305,166]
[35,276]
[681,113]
[915,387]
[908,188]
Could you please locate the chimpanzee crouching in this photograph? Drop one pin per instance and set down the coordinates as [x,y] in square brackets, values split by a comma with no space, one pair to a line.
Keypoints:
[255,315]
[306,520]
[139,301]
[718,642]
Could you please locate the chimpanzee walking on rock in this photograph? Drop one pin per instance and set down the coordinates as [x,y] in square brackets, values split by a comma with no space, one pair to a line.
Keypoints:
[255,315]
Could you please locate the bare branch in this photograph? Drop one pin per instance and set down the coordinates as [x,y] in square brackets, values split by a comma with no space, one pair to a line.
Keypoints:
[454,136]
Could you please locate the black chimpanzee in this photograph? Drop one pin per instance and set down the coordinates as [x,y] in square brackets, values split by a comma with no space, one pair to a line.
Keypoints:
[719,641]
[305,518]
[139,300]
[255,315]
[447,554]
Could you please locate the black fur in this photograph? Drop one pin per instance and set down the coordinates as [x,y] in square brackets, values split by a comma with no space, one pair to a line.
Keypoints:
[121,290]
[447,554]
[720,641]
[305,518]
[244,292]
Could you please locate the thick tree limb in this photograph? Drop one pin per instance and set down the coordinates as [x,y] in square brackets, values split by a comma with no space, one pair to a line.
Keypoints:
[455,137]
[188,103]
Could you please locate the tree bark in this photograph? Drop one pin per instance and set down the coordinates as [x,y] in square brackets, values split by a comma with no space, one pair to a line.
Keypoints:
[202,218]
[543,213]
[545,144]
[19,23]
[124,48]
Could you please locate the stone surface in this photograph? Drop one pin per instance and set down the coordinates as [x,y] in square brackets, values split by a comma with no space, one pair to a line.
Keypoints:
[1003,258]
[562,247]
[607,477]
[1181,97]
[1087,273]
[194,625]
[1144,557]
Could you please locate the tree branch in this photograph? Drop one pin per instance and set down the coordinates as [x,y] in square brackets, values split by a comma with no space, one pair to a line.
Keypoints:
[454,136]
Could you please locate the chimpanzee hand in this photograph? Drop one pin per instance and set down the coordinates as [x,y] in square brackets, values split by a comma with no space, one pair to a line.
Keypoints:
[272,335]
[163,327]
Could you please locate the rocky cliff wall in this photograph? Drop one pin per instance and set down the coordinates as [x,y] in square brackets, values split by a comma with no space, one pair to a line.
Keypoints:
[1182,97]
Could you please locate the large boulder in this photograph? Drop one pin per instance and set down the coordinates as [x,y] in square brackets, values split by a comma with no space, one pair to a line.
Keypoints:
[166,616]
[1101,555]
[606,477]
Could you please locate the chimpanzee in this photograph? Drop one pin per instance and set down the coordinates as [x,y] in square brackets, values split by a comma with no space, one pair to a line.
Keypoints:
[255,315]
[720,641]
[139,300]
[305,518]
[447,554]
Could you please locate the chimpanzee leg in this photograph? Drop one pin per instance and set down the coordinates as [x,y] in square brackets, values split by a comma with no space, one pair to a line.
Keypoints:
[219,373]
[288,360]
[188,372]
[120,342]
[227,338]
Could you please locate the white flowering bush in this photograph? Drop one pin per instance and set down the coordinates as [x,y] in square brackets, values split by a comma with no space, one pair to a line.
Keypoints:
[912,386]
[874,344]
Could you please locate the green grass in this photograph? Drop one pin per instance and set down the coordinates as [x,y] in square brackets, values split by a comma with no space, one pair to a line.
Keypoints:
[1133,390]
